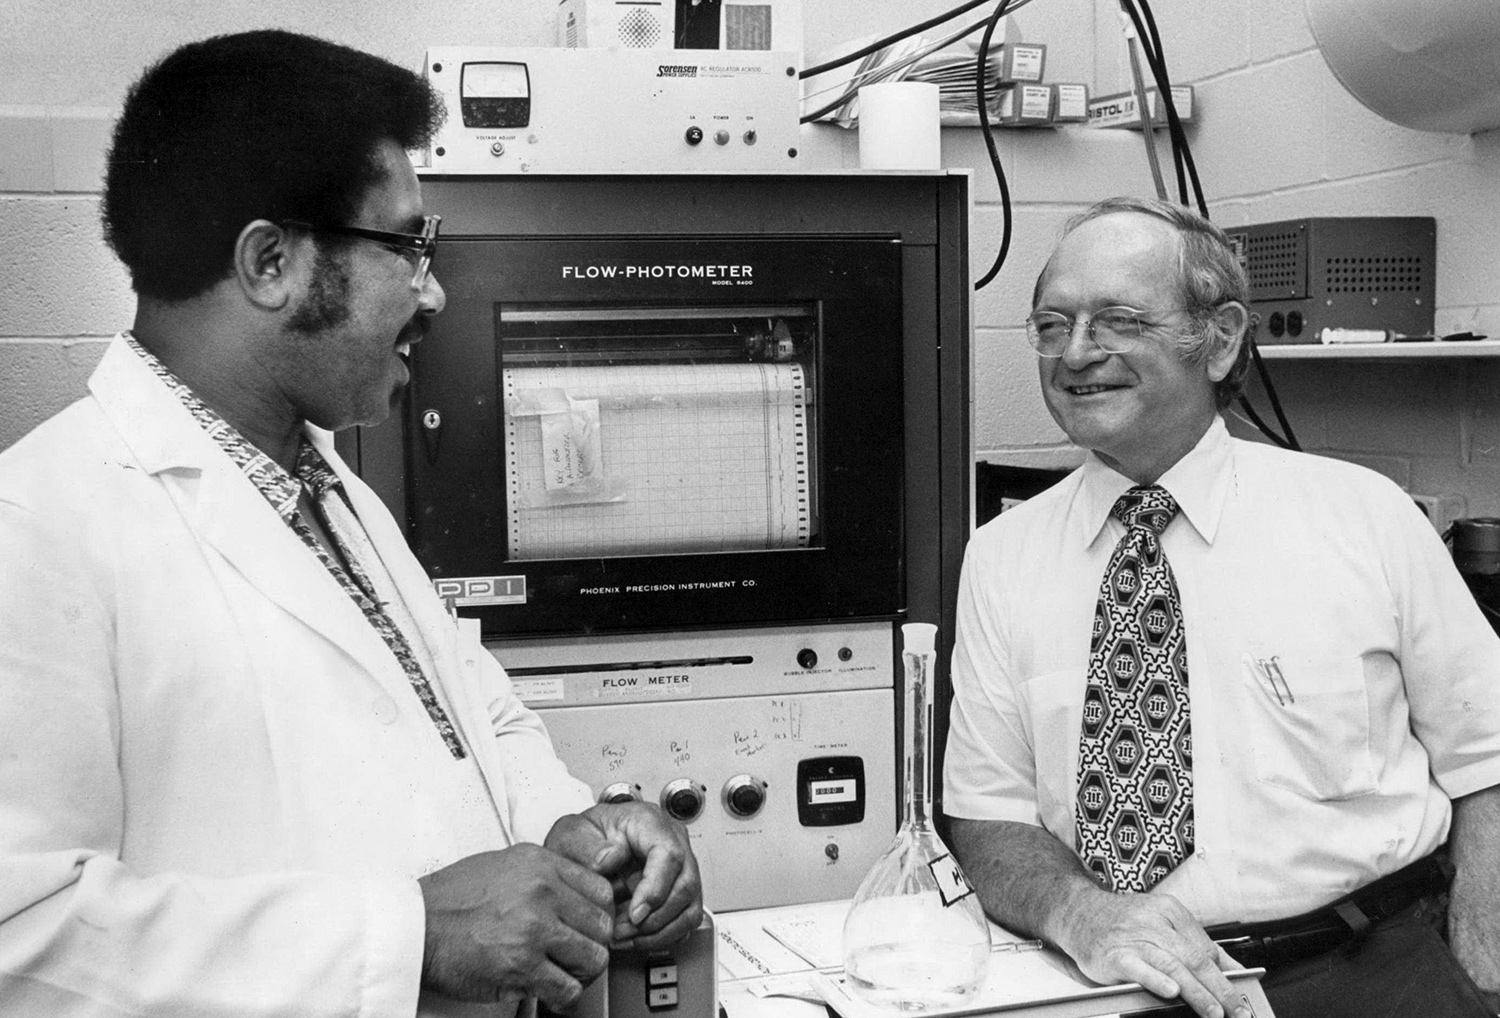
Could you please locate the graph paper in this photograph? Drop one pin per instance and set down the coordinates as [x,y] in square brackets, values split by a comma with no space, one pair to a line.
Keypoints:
[692,458]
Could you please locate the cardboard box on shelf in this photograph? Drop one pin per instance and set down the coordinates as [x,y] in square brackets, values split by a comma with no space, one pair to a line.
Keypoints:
[1121,110]
[1072,103]
[1026,106]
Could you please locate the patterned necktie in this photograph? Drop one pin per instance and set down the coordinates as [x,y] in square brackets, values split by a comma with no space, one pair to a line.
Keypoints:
[1135,763]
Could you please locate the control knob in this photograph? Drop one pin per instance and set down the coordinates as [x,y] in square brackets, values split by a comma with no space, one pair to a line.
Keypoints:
[744,795]
[620,791]
[682,799]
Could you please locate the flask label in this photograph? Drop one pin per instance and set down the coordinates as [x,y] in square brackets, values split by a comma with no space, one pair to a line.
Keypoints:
[952,885]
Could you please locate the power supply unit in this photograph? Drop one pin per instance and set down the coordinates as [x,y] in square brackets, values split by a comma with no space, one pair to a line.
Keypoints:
[1329,280]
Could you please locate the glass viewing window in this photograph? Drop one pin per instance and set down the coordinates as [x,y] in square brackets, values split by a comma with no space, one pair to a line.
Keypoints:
[659,430]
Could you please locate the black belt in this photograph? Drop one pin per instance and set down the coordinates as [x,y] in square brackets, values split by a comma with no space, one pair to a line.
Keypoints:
[1279,941]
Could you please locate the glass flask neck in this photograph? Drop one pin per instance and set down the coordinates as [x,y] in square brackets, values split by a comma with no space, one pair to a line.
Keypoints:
[917,739]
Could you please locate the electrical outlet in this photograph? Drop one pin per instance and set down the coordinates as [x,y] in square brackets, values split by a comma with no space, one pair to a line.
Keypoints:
[1442,510]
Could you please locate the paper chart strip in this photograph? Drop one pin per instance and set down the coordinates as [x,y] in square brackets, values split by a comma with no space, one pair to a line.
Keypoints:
[694,458]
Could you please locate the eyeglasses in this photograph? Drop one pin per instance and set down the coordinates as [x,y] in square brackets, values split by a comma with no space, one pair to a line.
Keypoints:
[1112,329]
[416,248]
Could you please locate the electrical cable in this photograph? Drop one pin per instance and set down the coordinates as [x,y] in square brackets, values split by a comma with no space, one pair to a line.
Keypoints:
[1164,89]
[1179,139]
[1143,107]
[1253,418]
[896,37]
[862,78]
[980,74]
[1155,58]
[980,89]
[1149,40]
[1265,378]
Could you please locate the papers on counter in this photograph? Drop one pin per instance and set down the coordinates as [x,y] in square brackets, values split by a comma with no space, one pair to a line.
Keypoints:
[787,962]
[797,951]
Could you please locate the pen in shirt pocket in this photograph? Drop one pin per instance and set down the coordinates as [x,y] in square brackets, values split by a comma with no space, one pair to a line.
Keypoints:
[1269,670]
[1273,669]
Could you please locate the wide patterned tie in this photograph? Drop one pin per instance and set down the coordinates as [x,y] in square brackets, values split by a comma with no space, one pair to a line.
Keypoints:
[1135,763]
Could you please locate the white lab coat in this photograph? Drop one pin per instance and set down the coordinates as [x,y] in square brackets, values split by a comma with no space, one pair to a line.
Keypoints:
[209,796]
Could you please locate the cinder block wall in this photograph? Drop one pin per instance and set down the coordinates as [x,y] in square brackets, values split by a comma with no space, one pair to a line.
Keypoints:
[1277,138]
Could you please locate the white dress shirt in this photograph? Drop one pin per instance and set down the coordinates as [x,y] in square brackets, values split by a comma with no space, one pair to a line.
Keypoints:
[1393,675]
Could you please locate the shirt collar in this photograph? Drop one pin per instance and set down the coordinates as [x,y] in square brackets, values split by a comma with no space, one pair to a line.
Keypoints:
[1199,482]
[278,487]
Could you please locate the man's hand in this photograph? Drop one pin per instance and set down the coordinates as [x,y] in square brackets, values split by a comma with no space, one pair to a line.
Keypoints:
[1029,882]
[646,856]
[1153,940]
[515,923]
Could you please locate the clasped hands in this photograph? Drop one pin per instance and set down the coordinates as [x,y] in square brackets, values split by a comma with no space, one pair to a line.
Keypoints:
[539,920]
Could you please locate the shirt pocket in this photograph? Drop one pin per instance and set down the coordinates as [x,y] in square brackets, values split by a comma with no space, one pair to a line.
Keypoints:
[1308,724]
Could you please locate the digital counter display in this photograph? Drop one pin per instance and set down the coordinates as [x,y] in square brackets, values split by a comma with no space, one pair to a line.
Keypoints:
[830,791]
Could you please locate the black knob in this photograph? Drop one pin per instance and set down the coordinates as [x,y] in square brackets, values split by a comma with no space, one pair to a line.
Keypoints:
[682,799]
[694,135]
[744,795]
[807,658]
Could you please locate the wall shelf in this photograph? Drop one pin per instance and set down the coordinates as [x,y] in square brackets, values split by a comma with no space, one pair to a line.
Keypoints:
[1422,350]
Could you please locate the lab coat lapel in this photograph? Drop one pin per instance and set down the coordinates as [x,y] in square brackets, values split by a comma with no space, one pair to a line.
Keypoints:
[450,653]
[244,528]
[221,505]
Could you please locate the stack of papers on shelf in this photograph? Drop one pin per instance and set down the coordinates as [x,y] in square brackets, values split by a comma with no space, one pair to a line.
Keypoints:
[952,69]
[917,58]
[842,84]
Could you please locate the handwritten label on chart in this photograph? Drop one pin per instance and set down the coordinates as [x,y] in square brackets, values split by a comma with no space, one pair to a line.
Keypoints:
[786,720]
[614,757]
[570,437]
[748,742]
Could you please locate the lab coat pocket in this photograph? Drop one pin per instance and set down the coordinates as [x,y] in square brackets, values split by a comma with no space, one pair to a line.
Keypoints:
[1308,722]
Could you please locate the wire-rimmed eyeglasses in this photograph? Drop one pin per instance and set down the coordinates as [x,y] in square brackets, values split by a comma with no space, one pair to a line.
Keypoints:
[416,248]
[1113,329]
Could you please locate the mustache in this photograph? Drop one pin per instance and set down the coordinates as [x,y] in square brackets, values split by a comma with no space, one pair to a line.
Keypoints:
[415,330]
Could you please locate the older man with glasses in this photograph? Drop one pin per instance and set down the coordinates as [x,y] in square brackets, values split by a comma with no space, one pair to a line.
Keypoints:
[1217,703]
[248,763]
